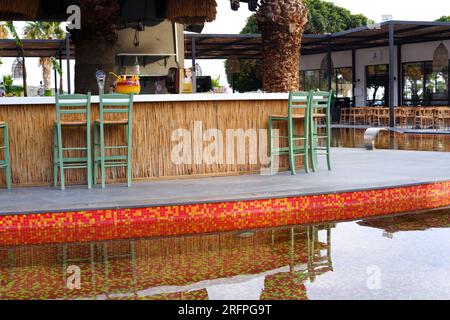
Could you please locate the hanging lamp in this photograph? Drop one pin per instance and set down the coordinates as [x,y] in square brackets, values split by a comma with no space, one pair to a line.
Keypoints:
[17,68]
[440,58]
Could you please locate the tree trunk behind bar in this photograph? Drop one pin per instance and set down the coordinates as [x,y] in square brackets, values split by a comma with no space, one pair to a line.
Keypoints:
[94,43]
[281,23]
[92,55]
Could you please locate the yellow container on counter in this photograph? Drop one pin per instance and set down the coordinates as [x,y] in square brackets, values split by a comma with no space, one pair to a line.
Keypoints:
[128,84]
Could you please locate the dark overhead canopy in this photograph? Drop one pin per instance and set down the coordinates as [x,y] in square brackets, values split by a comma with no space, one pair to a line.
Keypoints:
[151,12]
[35,48]
[248,46]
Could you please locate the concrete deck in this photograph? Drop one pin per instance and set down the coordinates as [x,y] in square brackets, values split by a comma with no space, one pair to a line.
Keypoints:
[353,169]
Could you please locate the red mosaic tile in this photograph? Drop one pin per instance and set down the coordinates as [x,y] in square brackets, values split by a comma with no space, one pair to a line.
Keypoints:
[109,224]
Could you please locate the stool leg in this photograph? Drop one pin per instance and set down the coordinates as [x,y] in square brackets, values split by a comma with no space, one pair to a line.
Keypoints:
[55,156]
[102,153]
[7,158]
[270,145]
[313,145]
[129,149]
[306,141]
[291,146]
[328,128]
[60,156]
[95,166]
[89,156]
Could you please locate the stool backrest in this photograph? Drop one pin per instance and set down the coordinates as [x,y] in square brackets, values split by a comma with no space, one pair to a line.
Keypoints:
[70,104]
[298,100]
[116,103]
[320,101]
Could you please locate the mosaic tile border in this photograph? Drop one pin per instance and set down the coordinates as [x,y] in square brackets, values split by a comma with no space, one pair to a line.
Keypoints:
[97,225]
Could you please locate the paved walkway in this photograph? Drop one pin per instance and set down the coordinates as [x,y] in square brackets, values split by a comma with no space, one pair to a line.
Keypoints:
[353,169]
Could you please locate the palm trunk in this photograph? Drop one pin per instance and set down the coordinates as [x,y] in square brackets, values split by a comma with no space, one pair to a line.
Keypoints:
[46,65]
[95,42]
[281,23]
[86,63]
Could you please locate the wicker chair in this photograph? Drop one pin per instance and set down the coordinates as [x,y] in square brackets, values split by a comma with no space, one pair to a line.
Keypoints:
[442,117]
[424,117]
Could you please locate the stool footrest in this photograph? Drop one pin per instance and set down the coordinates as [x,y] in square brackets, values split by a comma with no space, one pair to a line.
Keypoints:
[117,147]
[111,165]
[80,159]
[74,149]
[109,158]
[76,166]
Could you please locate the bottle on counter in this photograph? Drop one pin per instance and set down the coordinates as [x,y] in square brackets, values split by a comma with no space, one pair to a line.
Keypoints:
[137,68]
[41,90]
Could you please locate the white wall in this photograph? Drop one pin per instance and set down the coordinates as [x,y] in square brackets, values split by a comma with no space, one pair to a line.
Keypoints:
[374,56]
[154,40]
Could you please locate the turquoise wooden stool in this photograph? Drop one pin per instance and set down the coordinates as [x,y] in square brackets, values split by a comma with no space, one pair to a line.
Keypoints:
[297,100]
[5,163]
[121,104]
[72,104]
[320,104]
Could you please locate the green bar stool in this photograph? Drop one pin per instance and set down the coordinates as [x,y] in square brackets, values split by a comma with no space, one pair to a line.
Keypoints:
[72,104]
[320,106]
[297,100]
[119,104]
[5,163]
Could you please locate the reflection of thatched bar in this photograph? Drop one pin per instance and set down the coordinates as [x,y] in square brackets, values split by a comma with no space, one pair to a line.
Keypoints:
[191,11]
[19,9]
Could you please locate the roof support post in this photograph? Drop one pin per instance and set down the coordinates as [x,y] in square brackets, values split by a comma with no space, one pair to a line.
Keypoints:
[60,76]
[353,77]
[194,76]
[330,69]
[68,62]
[399,76]
[56,81]
[391,74]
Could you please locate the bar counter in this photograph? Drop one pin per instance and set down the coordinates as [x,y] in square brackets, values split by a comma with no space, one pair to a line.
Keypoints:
[155,118]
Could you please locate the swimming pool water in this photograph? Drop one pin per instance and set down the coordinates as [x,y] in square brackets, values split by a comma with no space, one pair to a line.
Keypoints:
[354,138]
[405,256]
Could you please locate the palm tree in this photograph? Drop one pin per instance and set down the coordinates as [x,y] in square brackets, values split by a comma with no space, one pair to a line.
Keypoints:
[4,32]
[95,42]
[44,30]
[282,23]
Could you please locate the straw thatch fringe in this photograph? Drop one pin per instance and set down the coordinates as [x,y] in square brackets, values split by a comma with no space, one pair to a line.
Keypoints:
[31,137]
[18,9]
[191,11]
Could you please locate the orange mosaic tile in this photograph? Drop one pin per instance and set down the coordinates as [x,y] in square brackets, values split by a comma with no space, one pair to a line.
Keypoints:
[95,225]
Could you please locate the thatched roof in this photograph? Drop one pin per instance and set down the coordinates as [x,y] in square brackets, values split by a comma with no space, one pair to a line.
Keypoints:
[191,11]
[19,9]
